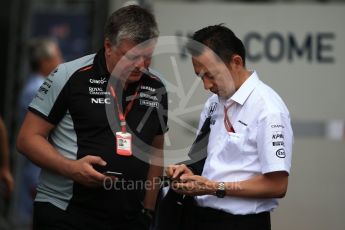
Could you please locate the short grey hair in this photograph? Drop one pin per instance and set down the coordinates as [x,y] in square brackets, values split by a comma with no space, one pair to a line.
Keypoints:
[40,49]
[131,22]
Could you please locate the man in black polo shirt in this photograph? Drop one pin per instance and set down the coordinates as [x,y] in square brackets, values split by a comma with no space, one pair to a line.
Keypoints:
[102,112]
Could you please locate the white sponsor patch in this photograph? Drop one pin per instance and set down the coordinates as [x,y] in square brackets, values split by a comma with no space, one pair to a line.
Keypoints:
[148,88]
[98,81]
[144,95]
[97,91]
[100,101]
[153,104]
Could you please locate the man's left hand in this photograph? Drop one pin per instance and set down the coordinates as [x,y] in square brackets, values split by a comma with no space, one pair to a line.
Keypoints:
[194,185]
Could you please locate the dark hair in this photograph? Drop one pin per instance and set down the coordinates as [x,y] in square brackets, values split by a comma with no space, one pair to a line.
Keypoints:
[131,22]
[38,50]
[220,39]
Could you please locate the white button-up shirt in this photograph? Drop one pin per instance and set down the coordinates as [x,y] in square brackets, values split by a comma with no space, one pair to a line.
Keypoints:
[262,143]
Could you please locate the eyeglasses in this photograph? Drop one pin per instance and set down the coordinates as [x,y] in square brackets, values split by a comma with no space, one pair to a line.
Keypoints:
[134,58]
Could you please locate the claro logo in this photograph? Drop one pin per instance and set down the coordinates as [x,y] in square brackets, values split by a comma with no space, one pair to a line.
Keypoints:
[100,101]
[98,81]
[277,126]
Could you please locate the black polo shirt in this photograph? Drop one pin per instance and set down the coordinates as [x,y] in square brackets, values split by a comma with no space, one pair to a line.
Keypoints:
[75,98]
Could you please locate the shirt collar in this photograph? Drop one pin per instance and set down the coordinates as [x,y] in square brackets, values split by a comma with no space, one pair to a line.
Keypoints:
[100,64]
[241,95]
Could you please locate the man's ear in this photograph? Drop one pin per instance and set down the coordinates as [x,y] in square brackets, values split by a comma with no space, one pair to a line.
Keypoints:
[236,62]
[108,46]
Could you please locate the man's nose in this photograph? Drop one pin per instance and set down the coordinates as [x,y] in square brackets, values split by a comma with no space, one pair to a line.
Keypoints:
[207,83]
[140,63]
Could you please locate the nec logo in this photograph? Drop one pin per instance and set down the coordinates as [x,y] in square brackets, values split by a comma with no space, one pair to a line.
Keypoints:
[100,101]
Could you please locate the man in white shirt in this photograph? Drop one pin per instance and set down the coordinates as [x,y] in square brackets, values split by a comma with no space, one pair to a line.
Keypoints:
[250,144]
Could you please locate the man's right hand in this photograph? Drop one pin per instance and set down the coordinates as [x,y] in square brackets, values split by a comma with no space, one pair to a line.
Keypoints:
[33,142]
[82,171]
[174,172]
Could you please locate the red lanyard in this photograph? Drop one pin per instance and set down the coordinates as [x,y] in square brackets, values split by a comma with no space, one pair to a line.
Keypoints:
[122,116]
[227,123]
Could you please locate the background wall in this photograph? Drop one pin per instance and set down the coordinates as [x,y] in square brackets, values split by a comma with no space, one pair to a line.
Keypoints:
[314,199]
[311,84]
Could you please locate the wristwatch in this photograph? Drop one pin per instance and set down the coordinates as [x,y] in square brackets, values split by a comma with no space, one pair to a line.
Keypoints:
[220,192]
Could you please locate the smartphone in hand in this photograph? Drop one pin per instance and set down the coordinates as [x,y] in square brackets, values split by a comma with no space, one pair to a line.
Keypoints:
[113,173]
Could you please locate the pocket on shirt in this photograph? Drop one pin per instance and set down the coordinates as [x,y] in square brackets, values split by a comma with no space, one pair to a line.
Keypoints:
[234,145]
[237,143]
[235,138]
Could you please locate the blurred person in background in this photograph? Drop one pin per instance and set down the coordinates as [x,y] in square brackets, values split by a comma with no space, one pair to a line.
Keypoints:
[44,56]
[6,179]
[250,144]
[67,133]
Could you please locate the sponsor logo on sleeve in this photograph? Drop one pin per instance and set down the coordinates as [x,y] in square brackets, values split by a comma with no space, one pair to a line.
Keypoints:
[280,153]
[47,84]
[54,72]
[277,135]
[148,96]
[43,89]
[148,88]
[278,143]
[277,126]
[153,104]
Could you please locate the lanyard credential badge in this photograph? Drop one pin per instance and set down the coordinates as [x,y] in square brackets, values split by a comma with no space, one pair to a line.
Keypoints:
[124,143]
[123,138]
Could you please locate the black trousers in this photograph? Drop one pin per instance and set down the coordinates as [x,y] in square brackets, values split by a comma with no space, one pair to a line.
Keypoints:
[49,217]
[208,219]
